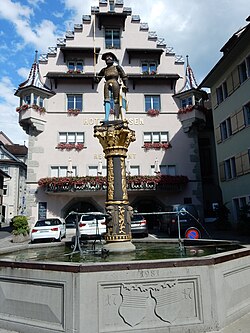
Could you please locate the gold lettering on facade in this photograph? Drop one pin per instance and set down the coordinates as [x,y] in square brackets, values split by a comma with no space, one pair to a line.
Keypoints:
[97,121]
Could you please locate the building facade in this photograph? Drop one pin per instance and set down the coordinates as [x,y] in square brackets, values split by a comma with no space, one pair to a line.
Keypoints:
[66,165]
[13,163]
[229,82]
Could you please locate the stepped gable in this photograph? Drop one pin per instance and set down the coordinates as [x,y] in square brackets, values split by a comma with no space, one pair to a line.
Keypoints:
[100,11]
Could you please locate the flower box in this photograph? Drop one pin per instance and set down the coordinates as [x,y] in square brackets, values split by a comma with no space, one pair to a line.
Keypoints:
[76,71]
[153,112]
[156,145]
[73,112]
[62,184]
[35,107]
[70,146]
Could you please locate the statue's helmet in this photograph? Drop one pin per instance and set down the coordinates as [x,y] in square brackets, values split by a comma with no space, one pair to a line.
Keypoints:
[109,55]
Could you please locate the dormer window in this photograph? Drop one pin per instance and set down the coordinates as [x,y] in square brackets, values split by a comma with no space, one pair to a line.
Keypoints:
[149,67]
[112,39]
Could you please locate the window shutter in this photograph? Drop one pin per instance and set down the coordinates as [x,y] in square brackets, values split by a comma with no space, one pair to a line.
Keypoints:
[238,164]
[222,172]
[240,119]
[234,123]
[229,81]
[236,78]
[214,99]
[245,162]
[218,134]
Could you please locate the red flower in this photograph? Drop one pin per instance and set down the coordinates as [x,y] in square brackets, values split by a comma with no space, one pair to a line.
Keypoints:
[70,146]
[156,145]
[153,112]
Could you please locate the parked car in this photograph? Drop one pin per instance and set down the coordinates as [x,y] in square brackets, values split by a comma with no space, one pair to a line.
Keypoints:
[92,224]
[188,217]
[50,228]
[139,226]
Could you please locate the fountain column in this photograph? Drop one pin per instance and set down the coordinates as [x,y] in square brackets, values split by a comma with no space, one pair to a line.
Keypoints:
[115,138]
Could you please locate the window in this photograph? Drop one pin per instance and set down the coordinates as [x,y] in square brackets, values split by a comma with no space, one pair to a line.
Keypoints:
[149,67]
[111,5]
[226,129]
[38,100]
[230,168]
[41,101]
[222,92]
[93,170]
[242,68]
[27,99]
[35,99]
[169,170]
[134,170]
[71,137]
[151,137]
[62,171]
[186,102]
[246,109]
[112,39]
[75,66]
[58,171]
[5,189]
[248,66]
[74,102]
[152,102]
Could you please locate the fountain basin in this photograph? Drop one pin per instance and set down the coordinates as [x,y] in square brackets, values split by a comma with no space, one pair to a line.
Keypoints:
[197,294]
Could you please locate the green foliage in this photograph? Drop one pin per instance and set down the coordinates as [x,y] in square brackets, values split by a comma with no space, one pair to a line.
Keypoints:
[222,215]
[20,225]
[244,220]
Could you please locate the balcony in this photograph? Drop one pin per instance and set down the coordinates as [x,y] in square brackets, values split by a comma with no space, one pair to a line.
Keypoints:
[32,117]
[192,116]
[98,183]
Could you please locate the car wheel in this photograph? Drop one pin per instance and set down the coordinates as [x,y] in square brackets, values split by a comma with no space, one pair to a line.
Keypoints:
[59,238]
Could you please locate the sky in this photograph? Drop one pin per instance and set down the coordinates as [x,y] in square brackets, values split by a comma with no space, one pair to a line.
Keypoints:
[197,28]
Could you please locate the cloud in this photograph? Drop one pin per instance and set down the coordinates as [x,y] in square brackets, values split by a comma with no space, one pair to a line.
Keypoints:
[35,3]
[23,72]
[8,114]
[41,35]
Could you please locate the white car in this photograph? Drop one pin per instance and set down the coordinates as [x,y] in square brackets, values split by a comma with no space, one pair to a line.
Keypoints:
[50,228]
[92,224]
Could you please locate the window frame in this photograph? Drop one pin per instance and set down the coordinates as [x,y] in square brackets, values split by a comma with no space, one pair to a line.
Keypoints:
[68,134]
[75,64]
[246,110]
[115,42]
[230,168]
[147,64]
[152,102]
[151,136]
[74,105]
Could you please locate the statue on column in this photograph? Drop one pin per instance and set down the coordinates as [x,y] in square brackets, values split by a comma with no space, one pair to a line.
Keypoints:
[115,84]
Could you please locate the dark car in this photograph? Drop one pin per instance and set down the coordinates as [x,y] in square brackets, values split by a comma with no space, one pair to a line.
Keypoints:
[188,218]
[139,226]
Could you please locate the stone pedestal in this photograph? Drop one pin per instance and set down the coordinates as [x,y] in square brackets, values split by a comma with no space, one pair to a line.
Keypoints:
[115,137]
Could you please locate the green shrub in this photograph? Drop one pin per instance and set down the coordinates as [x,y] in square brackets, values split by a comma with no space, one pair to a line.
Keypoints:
[20,225]
[244,220]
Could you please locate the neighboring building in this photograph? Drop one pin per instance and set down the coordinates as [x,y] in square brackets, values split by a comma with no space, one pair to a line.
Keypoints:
[13,162]
[66,162]
[229,82]
[3,175]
